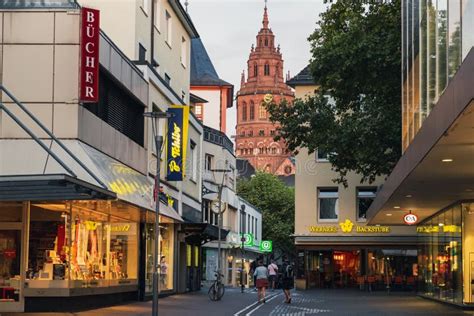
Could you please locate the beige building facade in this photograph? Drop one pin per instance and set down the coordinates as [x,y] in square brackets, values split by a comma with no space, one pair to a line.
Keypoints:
[335,244]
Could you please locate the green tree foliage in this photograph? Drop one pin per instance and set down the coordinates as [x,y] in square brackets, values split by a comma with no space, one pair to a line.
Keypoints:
[356,113]
[277,203]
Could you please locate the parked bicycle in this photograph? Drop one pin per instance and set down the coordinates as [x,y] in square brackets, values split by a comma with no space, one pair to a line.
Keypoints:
[216,291]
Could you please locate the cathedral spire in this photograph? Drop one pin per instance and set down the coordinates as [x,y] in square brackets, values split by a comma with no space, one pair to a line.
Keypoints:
[265,16]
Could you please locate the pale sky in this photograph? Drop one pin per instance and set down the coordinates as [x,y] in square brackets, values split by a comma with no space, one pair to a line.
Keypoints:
[228,29]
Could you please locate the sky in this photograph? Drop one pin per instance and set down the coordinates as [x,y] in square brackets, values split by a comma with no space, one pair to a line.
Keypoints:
[228,28]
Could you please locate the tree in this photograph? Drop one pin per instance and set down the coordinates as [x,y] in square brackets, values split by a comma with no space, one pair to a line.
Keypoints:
[277,204]
[355,115]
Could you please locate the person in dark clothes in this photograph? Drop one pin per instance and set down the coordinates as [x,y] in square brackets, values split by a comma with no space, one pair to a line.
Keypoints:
[288,279]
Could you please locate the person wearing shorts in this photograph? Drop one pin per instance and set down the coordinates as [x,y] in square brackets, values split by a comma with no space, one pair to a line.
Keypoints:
[272,274]
[261,275]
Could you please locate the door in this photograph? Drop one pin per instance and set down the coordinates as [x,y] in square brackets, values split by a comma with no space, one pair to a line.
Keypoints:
[11,267]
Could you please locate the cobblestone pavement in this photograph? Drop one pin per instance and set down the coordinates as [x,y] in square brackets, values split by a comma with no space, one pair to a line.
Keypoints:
[304,303]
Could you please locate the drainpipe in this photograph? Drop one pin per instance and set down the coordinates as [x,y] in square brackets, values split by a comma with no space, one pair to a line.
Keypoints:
[152,34]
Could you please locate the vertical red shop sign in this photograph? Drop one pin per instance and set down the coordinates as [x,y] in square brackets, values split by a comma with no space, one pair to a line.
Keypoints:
[89,70]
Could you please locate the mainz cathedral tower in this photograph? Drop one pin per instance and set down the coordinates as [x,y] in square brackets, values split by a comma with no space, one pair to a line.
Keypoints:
[264,84]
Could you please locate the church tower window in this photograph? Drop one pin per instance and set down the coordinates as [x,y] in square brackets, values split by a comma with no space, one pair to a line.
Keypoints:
[267,70]
[252,110]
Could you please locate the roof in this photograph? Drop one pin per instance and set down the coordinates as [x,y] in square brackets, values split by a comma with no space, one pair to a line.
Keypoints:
[184,18]
[303,78]
[203,72]
[244,169]
[196,99]
[37,4]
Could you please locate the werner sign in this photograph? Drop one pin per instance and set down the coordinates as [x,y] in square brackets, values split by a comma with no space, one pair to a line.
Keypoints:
[89,71]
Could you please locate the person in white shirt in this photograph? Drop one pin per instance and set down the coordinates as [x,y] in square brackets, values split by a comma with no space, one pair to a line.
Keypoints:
[272,274]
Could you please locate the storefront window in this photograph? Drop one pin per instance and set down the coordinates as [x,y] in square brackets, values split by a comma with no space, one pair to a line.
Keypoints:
[82,244]
[10,251]
[440,260]
[166,256]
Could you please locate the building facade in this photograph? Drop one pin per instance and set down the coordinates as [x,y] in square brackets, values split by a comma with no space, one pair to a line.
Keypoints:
[78,219]
[336,246]
[206,84]
[264,84]
[434,177]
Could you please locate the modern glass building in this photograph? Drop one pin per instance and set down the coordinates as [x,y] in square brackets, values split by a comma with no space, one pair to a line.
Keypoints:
[437,36]
[434,178]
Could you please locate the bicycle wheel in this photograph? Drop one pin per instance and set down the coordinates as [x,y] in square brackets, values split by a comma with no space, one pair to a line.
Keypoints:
[220,291]
[213,293]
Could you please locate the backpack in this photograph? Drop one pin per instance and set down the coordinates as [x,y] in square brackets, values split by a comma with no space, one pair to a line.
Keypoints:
[289,274]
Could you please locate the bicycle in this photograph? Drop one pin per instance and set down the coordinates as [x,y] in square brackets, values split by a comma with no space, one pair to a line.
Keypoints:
[216,291]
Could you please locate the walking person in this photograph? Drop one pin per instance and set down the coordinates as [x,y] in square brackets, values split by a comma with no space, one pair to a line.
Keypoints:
[261,274]
[272,274]
[253,267]
[288,279]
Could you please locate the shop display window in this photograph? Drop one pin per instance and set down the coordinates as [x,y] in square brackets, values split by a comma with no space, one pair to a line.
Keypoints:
[166,253]
[440,257]
[80,244]
[10,251]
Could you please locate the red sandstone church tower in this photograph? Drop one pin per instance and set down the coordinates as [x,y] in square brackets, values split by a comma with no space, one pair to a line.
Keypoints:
[265,83]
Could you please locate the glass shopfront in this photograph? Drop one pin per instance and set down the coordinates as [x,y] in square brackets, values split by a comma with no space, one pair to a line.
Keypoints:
[82,244]
[445,240]
[166,267]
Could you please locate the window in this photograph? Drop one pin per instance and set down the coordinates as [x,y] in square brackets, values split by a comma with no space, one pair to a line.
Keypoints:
[145,4]
[256,227]
[198,109]
[168,28]
[365,197]
[261,150]
[266,41]
[242,133]
[272,132]
[252,110]
[193,161]
[244,111]
[141,53]
[266,70]
[184,55]
[156,13]
[274,151]
[328,204]
[167,79]
[261,132]
[119,109]
[255,70]
[250,133]
[262,111]
[321,155]
[209,162]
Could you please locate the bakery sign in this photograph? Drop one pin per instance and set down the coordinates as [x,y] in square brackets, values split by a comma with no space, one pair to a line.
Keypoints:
[348,227]
[89,49]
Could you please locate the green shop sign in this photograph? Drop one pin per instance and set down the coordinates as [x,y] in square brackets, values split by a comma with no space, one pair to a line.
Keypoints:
[248,239]
[266,246]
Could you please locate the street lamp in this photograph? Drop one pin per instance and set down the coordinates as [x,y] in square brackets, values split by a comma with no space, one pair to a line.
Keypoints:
[155,120]
[242,239]
[220,212]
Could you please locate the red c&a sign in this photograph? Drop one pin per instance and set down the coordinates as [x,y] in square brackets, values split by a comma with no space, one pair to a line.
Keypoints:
[89,71]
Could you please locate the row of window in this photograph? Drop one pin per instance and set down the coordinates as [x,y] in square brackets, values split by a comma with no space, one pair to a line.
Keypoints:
[260,133]
[262,111]
[328,203]
[251,226]
[266,70]
[261,151]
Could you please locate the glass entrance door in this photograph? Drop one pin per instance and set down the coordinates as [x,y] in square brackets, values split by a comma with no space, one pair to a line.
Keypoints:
[11,267]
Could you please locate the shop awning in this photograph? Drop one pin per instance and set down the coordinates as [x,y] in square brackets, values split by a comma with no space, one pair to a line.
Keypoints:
[200,233]
[168,211]
[437,168]
[26,159]
[49,187]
